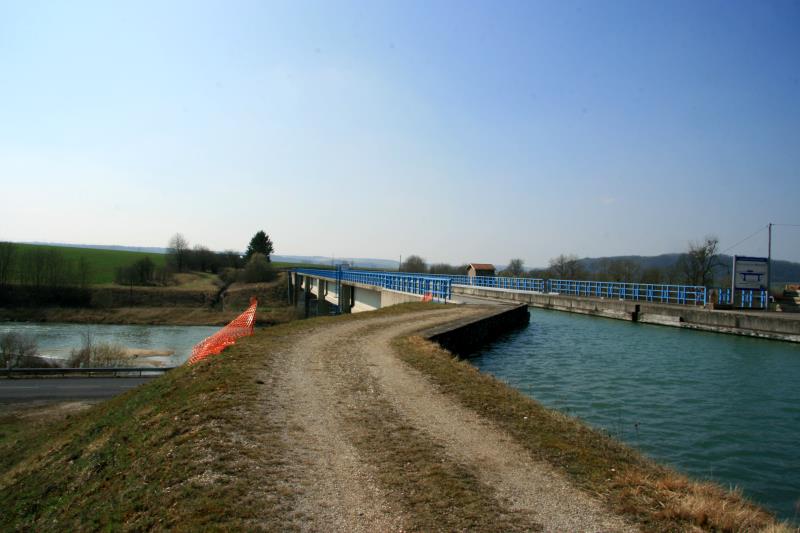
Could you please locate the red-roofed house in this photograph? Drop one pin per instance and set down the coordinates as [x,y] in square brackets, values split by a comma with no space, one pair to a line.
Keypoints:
[480,269]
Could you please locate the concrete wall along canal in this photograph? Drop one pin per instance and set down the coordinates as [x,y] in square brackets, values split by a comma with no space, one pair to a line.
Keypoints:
[771,325]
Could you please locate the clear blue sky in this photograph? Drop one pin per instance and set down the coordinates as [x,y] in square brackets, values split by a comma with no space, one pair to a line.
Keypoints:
[455,130]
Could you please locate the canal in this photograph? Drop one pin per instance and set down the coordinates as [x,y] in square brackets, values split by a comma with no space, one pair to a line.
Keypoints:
[714,406]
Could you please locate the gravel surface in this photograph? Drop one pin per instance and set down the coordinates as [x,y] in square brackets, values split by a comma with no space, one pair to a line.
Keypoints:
[312,397]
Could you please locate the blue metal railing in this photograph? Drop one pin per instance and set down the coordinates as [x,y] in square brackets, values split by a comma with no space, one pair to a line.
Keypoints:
[744,298]
[500,282]
[440,288]
[649,292]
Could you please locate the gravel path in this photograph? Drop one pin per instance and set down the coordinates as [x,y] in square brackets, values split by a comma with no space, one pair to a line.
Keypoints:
[314,397]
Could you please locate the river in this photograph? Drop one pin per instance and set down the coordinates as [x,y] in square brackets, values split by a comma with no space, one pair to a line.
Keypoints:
[714,406]
[57,340]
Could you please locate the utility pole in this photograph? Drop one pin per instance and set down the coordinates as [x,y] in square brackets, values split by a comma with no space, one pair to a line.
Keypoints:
[400,264]
[769,261]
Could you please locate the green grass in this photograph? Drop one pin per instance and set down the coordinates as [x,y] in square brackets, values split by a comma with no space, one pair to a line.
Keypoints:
[102,263]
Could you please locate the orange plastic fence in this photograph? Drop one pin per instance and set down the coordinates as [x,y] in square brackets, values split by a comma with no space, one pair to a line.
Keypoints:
[428,297]
[241,326]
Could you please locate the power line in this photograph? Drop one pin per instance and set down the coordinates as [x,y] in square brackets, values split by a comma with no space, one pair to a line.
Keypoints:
[759,230]
[789,225]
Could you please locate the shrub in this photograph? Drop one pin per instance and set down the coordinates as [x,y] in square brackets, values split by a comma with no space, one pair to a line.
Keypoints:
[258,269]
[16,348]
[100,354]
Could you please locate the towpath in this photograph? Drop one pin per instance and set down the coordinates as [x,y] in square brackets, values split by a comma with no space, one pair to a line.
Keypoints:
[372,445]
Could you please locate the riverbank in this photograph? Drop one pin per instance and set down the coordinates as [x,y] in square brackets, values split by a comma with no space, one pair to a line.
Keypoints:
[762,324]
[161,316]
[344,423]
[196,300]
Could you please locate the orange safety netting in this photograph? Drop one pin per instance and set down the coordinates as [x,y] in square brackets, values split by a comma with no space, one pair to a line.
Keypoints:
[241,326]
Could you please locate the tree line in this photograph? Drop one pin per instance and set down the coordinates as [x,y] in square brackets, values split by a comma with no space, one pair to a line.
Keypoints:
[40,267]
[253,266]
[696,266]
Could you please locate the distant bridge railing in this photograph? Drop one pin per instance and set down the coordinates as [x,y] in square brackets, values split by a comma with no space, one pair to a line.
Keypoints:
[500,282]
[744,298]
[440,288]
[649,292]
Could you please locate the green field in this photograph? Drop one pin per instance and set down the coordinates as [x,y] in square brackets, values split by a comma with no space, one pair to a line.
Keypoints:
[102,263]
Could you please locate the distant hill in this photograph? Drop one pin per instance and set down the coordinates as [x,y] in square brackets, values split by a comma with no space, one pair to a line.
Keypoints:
[113,247]
[782,271]
[363,262]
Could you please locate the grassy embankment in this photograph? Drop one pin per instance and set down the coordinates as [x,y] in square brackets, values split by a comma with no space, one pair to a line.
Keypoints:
[186,452]
[182,452]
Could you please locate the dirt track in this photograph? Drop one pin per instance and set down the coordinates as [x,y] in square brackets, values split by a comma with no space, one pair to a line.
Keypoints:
[373,446]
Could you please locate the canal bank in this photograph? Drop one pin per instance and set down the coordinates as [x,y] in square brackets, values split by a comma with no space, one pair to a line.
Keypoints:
[768,325]
[717,407]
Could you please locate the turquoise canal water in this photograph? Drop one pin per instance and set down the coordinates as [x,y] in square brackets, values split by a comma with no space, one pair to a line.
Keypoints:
[714,406]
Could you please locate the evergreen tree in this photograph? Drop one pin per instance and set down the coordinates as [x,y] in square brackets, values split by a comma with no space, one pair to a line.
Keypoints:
[259,244]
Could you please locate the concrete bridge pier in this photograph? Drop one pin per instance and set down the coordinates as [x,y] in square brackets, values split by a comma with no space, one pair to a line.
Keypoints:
[323,306]
[346,299]
[307,295]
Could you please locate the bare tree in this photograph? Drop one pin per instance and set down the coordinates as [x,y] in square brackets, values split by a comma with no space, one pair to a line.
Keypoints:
[7,257]
[83,272]
[15,348]
[653,275]
[623,270]
[515,268]
[446,268]
[178,250]
[33,267]
[697,265]
[566,267]
[414,263]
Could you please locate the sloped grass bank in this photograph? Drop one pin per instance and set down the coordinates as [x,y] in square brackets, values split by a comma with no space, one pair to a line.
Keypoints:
[167,455]
[655,497]
[183,452]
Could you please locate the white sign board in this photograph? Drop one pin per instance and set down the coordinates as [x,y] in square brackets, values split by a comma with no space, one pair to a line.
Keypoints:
[750,272]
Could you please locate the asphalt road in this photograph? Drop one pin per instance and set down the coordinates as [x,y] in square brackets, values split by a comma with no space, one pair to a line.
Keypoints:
[33,389]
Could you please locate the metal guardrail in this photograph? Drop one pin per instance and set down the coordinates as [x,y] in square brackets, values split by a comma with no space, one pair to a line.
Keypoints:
[115,371]
[744,298]
[438,287]
[648,292]
[500,282]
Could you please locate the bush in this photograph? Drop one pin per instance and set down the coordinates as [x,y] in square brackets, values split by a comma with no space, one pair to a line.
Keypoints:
[141,272]
[100,354]
[230,275]
[16,349]
[258,269]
